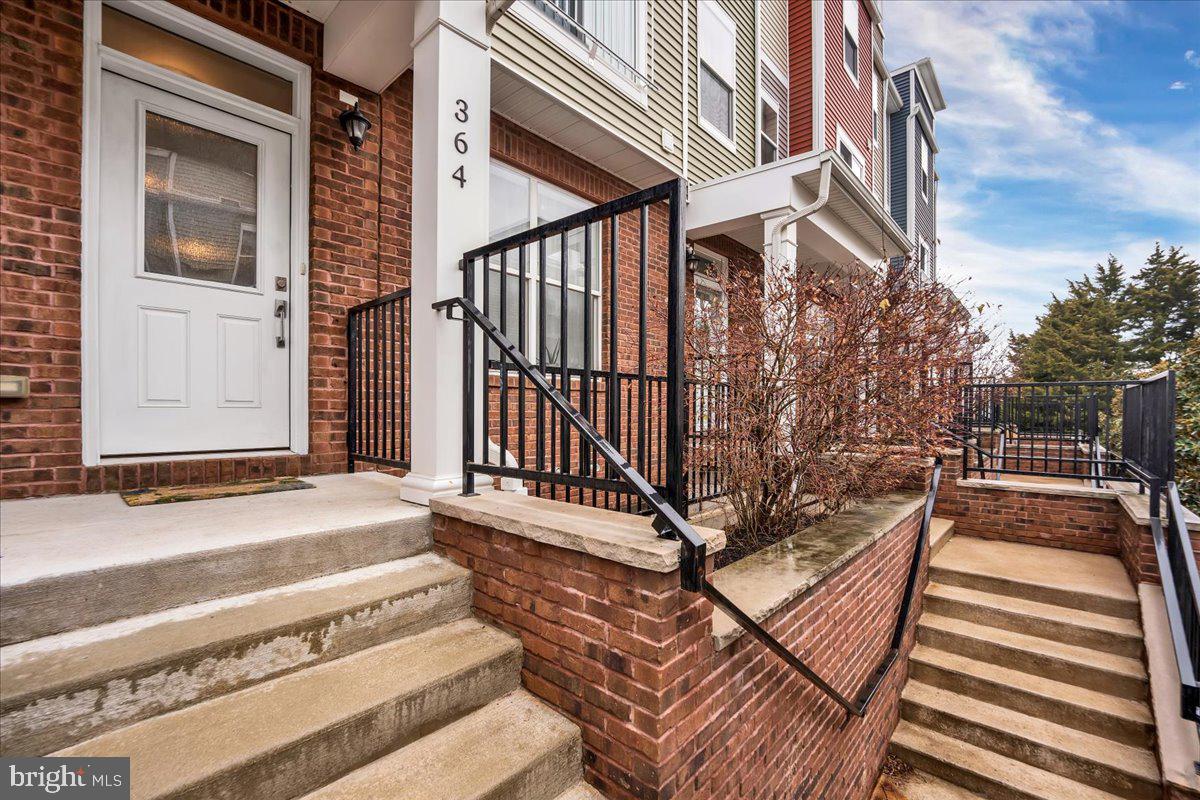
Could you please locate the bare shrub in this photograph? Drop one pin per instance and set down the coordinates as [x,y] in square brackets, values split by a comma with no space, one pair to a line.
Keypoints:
[830,387]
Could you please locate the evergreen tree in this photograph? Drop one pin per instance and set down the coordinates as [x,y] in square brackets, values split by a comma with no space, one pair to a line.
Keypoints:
[1163,306]
[1079,336]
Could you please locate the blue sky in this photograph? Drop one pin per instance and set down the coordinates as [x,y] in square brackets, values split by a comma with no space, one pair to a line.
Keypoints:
[1073,131]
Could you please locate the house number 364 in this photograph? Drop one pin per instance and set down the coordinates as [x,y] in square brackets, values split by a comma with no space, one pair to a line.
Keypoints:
[460,141]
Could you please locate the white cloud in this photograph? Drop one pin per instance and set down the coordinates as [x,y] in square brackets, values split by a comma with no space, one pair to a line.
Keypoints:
[1178,86]
[1193,58]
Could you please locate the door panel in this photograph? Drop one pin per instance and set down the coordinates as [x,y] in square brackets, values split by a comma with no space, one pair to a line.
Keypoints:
[194,220]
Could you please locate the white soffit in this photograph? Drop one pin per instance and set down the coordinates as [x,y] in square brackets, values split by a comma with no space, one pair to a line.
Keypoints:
[369,42]
[317,9]
[516,99]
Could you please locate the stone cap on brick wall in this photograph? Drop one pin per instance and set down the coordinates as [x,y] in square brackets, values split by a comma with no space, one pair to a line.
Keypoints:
[613,535]
[770,579]
[1137,506]
[1059,490]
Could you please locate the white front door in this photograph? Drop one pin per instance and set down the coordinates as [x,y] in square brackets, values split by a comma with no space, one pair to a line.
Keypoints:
[194,303]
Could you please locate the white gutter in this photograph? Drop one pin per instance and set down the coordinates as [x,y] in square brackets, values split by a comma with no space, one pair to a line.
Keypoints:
[811,208]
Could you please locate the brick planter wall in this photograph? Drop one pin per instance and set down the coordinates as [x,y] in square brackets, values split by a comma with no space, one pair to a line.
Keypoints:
[1048,518]
[629,656]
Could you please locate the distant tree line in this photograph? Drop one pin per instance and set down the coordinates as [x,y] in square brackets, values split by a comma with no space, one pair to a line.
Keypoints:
[1109,326]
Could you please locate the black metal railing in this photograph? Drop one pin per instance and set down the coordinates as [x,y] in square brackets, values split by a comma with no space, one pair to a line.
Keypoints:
[545,289]
[1094,431]
[1181,590]
[377,356]
[667,520]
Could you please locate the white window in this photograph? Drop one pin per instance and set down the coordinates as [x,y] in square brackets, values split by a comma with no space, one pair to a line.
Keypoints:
[768,130]
[850,19]
[850,154]
[607,34]
[517,203]
[923,164]
[717,36]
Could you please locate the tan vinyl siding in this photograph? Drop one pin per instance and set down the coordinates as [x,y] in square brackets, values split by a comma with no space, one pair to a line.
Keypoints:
[708,157]
[550,67]
[773,32]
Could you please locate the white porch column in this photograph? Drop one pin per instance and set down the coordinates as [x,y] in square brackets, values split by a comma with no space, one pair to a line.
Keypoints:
[451,114]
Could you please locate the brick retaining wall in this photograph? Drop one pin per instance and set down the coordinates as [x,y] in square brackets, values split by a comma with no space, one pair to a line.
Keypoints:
[629,656]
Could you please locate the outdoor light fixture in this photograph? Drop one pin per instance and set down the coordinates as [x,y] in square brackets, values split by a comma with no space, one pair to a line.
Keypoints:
[697,261]
[356,125]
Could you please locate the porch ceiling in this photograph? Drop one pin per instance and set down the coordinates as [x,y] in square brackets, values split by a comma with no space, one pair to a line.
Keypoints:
[852,225]
[516,99]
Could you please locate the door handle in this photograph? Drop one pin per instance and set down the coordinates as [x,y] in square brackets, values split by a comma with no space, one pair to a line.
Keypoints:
[281,315]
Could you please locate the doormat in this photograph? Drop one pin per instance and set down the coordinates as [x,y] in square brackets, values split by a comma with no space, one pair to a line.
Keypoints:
[212,491]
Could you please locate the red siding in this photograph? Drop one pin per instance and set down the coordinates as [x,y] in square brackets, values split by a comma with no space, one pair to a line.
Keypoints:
[800,69]
[846,104]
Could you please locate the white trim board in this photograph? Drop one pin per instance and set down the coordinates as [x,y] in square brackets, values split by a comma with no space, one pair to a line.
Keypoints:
[96,59]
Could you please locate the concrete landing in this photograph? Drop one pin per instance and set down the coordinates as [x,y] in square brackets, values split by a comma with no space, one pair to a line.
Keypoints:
[50,536]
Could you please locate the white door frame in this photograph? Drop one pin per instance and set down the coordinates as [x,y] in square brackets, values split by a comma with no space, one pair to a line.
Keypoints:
[96,58]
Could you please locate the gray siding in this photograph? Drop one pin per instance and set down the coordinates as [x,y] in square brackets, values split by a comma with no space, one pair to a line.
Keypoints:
[897,154]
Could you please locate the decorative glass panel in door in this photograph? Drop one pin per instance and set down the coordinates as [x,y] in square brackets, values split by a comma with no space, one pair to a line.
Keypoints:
[201,203]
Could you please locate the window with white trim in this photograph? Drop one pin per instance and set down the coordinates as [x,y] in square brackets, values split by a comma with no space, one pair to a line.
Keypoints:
[850,20]
[851,155]
[612,31]
[517,203]
[768,130]
[717,44]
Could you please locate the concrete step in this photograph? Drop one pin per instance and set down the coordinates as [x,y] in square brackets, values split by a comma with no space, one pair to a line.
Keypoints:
[988,774]
[61,689]
[917,785]
[293,734]
[1119,676]
[1121,720]
[514,748]
[141,560]
[940,531]
[1084,581]
[1116,635]
[581,791]
[1127,771]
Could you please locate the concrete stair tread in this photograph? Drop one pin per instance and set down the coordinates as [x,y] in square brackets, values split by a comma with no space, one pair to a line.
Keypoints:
[940,530]
[1085,657]
[581,791]
[235,731]
[1016,605]
[483,755]
[69,686]
[1136,762]
[1133,710]
[918,785]
[931,751]
[1055,568]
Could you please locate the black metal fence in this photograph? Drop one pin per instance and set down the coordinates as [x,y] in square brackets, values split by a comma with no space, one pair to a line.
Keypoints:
[556,292]
[377,341]
[1095,431]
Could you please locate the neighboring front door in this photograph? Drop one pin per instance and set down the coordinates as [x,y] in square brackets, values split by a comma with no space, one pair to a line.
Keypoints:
[193,276]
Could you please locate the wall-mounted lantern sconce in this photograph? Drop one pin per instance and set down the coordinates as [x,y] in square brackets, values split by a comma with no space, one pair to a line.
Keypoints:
[355,124]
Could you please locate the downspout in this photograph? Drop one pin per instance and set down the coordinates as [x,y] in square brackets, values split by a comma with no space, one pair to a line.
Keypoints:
[811,208]
[684,74]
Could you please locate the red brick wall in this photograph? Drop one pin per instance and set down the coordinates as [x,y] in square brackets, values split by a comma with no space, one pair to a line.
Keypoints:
[629,656]
[1047,518]
[360,237]
[1137,550]
[800,68]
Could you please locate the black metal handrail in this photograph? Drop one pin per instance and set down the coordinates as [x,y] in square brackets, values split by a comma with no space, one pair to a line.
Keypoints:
[668,522]
[377,380]
[1181,591]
